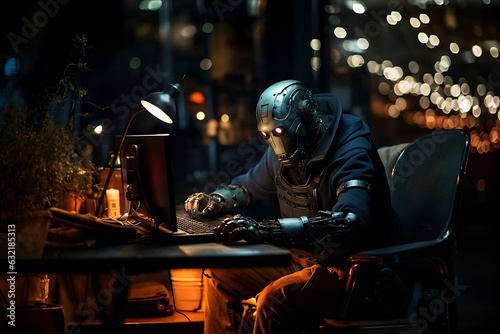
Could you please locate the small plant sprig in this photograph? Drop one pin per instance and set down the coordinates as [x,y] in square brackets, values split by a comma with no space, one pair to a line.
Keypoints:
[52,101]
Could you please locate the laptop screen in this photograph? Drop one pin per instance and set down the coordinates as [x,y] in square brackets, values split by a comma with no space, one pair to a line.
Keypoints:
[147,177]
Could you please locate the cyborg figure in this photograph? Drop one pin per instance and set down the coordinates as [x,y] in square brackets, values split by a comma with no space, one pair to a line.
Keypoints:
[333,197]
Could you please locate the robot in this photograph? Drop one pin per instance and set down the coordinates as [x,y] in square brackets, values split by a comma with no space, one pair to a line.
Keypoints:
[310,147]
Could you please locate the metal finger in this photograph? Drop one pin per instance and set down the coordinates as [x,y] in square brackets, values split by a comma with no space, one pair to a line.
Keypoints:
[194,208]
[218,230]
[187,205]
[207,211]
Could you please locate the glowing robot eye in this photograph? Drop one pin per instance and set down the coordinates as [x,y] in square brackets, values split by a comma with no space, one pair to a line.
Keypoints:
[264,134]
[279,131]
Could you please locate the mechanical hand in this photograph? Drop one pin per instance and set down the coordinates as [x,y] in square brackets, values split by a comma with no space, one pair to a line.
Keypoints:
[203,203]
[225,199]
[245,228]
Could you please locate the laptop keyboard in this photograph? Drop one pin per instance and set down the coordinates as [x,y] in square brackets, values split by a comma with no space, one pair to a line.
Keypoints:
[192,226]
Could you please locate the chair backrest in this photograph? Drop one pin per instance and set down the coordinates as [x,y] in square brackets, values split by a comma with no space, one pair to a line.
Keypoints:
[426,185]
[389,155]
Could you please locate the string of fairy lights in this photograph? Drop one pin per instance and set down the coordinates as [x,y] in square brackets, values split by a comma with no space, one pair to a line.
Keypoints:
[432,99]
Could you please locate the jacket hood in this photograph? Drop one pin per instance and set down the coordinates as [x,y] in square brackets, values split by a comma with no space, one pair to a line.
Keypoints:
[341,128]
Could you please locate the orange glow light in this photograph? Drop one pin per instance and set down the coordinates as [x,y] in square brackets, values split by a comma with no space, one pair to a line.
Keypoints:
[197,97]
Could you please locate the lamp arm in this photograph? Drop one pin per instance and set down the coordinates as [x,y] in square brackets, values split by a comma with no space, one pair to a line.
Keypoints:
[113,161]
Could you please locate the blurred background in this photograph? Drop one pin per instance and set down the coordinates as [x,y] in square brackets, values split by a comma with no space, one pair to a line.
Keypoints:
[407,67]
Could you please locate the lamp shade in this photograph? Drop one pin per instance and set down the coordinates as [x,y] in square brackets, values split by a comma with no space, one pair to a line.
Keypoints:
[162,104]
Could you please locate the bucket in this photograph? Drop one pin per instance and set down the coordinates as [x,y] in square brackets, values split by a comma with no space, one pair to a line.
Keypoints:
[187,288]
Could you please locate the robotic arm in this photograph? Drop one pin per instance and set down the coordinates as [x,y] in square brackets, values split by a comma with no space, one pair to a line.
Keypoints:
[324,235]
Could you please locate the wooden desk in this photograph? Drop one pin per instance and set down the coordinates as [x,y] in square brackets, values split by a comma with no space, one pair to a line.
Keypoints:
[125,260]
[151,257]
[144,255]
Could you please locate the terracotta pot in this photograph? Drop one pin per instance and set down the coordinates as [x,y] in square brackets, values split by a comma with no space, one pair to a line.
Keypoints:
[72,203]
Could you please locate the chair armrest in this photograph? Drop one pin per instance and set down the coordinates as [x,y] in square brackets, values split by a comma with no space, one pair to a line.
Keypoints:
[396,254]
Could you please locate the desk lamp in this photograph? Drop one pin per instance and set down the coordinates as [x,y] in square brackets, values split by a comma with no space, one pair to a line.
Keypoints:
[159,104]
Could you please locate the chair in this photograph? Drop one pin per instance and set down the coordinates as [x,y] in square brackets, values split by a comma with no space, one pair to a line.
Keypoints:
[426,188]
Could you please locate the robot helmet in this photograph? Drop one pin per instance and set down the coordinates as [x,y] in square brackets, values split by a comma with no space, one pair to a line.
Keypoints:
[285,113]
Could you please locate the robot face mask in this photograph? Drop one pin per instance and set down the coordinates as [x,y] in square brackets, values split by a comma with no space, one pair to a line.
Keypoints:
[284,112]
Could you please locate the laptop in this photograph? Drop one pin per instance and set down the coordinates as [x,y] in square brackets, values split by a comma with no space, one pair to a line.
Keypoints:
[148,183]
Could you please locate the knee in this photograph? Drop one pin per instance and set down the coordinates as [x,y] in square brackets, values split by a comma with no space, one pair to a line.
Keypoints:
[269,303]
[268,295]
[277,295]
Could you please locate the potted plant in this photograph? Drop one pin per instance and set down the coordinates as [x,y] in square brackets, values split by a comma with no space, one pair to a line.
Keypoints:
[39,168]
